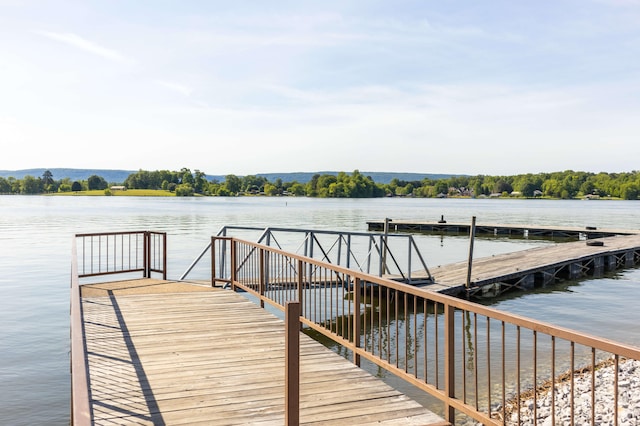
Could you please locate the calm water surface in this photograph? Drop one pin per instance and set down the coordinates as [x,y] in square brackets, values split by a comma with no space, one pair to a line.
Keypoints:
[35,256]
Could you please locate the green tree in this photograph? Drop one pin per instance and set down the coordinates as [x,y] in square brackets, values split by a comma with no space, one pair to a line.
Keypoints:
[186,176]
[47,181]
[270,189]
[96,182]
[184,190]
[5,186]
[233,184]
[31,185]
[253,184]
[311,188]
[199,182]
[630,191]
[297,189]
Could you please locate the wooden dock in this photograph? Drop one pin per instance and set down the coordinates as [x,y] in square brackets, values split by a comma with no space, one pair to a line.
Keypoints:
[163,353]
[523,231]
[538,266]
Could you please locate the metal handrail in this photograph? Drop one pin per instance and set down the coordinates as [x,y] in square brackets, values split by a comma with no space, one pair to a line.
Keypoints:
[445,342]
[346,238]
[108,253]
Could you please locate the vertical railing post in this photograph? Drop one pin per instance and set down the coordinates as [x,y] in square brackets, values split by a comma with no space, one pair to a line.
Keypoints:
[234,250]
[146,257]
[164,256]
[263,277]
[357,323]
[301,284]
[213,261]
[292,364]
[449,361]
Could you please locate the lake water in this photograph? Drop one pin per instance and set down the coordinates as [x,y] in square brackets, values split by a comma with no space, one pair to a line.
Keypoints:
[35,257]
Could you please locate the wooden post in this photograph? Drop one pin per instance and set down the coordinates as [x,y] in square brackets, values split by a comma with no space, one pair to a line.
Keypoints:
[213,261]
[164,256]
[472,236]
[292,364]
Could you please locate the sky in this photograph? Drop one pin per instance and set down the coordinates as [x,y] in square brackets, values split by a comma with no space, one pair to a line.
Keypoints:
[248,87]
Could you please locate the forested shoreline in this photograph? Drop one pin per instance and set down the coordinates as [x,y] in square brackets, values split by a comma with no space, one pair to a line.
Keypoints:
[563,185]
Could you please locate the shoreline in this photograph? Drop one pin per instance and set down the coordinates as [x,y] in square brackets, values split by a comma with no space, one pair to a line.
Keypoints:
[628,397]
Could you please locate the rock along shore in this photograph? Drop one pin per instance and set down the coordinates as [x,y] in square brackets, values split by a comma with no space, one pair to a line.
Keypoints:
[628,399]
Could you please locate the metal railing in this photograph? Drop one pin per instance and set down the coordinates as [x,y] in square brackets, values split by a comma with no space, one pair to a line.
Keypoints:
[102,254]
[121,252]
[480,363]
[380,254]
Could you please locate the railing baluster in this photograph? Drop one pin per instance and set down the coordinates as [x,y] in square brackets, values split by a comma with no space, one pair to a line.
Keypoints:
[593,386]
[518,371]
[535,374]
[504,374]
[449,361]
[573,369]
[553,380]
[357,287]
[489,365]
[475,359]
[616,381]
[463,357]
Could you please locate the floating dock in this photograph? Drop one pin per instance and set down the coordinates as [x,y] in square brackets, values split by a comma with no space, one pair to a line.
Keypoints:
[537,266]
[162,352]
[524,231]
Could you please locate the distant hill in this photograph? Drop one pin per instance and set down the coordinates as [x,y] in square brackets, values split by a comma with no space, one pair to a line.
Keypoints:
[378,177]
[118,176]
[111,176]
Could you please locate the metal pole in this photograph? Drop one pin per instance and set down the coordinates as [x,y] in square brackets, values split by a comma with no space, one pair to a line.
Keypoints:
[449,362]
[357,321]
[472,236]
[384,251]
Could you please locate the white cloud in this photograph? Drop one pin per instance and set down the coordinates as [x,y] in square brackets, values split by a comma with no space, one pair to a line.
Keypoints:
[84,44]
[175,87]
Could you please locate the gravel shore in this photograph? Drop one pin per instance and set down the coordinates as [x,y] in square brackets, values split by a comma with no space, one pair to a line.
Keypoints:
[628,399]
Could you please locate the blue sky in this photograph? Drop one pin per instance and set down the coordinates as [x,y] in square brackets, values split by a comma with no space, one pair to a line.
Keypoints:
[245,87]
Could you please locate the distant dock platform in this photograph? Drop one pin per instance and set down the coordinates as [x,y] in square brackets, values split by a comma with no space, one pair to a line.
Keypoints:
[538,266]
[516,230]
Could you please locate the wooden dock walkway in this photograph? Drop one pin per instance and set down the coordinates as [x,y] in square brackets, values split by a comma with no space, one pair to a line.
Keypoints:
[514,230]
[163,353]
[541,265]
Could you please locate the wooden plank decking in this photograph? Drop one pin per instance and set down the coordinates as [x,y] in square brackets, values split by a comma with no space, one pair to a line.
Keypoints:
[499,268]
[173,353]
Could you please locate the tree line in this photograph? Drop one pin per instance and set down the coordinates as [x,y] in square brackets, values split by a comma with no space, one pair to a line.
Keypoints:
[565,185]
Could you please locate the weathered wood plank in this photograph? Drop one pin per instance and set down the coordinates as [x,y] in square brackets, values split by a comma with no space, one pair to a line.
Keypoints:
[216,358]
